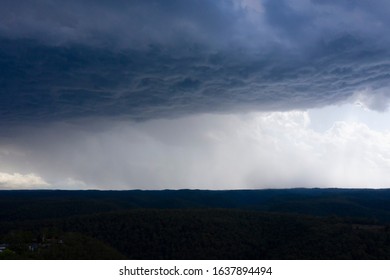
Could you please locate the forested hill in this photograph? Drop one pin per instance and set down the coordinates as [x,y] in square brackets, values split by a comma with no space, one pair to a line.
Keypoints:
[195,224]
[367,204]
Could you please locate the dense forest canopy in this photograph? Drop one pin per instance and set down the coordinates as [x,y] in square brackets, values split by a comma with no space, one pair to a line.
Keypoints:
[195,224]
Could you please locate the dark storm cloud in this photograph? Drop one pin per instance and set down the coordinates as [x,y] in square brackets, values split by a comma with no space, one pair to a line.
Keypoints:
[120,23]
[148,59]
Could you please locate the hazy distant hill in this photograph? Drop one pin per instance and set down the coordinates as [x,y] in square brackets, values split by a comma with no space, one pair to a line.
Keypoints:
[365,204]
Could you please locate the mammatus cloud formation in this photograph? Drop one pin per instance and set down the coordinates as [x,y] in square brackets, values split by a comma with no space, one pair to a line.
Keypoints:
[206,93]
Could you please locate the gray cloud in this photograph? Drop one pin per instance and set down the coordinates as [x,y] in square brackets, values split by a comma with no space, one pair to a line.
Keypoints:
[220,23]
[121,23]
[152,59]
[43,82]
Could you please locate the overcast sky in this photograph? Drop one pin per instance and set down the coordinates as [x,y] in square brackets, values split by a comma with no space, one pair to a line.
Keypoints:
[211,94]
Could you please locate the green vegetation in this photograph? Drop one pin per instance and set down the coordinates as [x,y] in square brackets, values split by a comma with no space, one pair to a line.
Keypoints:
[61,246]
[282,224]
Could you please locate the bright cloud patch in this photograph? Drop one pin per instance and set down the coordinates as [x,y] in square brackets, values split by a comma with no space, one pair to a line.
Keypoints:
[377,100]
[21,181]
